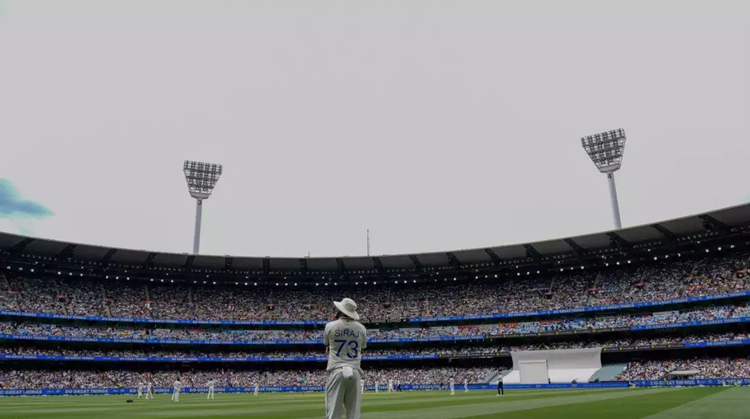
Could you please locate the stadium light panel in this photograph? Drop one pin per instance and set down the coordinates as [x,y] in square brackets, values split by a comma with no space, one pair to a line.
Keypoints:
[605,149]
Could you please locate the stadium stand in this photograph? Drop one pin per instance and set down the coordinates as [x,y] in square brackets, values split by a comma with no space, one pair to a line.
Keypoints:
[650,304]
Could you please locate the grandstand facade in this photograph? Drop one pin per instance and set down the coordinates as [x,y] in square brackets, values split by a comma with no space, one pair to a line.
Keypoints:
[664,301]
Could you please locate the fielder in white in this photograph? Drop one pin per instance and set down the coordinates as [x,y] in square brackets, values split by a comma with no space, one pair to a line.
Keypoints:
[453,391]
[176,392]
[466,386]
[149,391]
[376,386]
[363,386]
[140,389]
[257,390]
[344,338]
[390,386]
[211,384]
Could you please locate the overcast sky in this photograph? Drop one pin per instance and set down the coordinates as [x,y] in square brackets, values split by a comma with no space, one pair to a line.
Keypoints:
[438,125]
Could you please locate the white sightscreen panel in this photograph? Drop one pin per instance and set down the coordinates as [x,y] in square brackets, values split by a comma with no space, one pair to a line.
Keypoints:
[564,365]
[533,371]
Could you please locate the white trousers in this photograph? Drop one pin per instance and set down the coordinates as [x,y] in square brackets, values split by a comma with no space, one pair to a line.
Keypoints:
[342,393]
[176,396]
[149,393]
[453,391]
[210,393]
[140,393]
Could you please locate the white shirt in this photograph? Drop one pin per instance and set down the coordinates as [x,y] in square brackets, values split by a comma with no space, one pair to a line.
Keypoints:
[346,339]
[211,384]
[148,386]
[451,381]
[177,385]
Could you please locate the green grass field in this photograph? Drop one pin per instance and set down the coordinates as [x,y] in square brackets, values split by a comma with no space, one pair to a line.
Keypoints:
[683,403]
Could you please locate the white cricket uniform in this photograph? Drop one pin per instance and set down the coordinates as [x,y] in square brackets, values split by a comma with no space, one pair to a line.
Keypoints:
[466,386]
[149,391]
[345,339]
[140,390]
[363,386]
[453,392]
[257,389]
[176,393]
[211,384]
[376,386]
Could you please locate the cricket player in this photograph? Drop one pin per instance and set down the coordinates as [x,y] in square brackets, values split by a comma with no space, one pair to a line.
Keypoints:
[211,384]
[257,389]
[390,386]
[453,389]
[466,386]
[500,389]
[363,386]
[344,338]
[176,392]
[376,387]
[140,389]
[149,390]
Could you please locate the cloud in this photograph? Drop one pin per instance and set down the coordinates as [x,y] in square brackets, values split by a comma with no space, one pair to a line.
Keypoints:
[13,206]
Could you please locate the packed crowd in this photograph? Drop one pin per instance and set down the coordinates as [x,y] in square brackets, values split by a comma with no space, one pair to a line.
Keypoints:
[668,279]
[30,379]
[443,351]
[689,368]
[701,314]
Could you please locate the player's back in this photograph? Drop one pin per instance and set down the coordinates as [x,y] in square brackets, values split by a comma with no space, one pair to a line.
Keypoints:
[346,339]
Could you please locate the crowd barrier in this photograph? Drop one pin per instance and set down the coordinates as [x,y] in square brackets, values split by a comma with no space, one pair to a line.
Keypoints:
[370,388]
[645,304]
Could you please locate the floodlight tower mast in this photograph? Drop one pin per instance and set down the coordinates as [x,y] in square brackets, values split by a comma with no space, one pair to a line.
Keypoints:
[606,150]
[201,179]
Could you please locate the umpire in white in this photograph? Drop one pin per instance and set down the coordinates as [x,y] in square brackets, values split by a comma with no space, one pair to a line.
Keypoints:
[345,338]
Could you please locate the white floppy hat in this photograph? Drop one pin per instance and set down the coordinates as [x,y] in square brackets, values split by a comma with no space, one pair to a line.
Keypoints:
[348,307]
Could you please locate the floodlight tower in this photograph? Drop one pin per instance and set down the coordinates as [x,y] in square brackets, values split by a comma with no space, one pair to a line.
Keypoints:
[201,180]
[606,150]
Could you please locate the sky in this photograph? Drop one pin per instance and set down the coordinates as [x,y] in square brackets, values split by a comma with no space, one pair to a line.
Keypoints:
[438,125]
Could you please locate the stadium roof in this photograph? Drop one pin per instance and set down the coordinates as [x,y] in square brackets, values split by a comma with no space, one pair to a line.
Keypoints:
[728,220]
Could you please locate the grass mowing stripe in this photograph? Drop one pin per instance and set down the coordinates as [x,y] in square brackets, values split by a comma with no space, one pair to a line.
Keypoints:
[625,408]
[488,397]
[730,403]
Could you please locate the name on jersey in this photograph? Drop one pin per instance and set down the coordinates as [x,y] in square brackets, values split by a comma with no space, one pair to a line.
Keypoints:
[346,333]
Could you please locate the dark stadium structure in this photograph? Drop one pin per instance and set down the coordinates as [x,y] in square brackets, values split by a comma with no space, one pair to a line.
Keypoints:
[653,297]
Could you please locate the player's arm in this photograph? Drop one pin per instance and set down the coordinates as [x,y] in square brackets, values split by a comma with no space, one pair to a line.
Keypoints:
[326,341]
